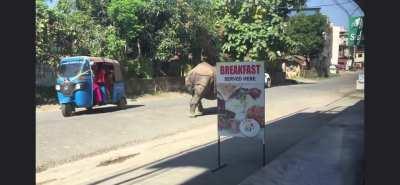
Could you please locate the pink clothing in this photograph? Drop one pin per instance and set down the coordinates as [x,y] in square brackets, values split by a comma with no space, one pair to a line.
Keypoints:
[97,93]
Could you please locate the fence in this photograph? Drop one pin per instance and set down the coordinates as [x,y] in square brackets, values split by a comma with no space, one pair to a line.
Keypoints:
[137,86]
[45,75]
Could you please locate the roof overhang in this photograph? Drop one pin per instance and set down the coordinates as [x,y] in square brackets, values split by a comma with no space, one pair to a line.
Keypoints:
[361,4]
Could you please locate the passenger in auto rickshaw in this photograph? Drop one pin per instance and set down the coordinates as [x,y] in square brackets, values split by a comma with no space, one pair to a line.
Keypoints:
[110,82]
[96,88]
[100,80]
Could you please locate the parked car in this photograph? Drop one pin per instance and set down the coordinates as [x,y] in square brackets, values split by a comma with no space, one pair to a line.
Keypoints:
[361,77]
[267,80]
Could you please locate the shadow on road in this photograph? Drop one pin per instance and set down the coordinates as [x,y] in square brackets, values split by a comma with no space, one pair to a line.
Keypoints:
[243,156]
[98,110]
[208,111]
[291,82]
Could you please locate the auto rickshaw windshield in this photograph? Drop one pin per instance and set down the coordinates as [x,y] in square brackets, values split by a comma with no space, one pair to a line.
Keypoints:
[69,69]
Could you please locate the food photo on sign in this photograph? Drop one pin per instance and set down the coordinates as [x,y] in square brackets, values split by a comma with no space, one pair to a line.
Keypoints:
[241,104]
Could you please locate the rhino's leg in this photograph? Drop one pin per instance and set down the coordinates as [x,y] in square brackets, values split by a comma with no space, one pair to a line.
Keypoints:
[200,107]
[196,99]
[193,104]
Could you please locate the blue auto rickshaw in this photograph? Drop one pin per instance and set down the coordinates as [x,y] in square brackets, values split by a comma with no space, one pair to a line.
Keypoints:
[78,85]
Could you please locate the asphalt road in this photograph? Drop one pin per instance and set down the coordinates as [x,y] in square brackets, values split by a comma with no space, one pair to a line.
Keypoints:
[60,139]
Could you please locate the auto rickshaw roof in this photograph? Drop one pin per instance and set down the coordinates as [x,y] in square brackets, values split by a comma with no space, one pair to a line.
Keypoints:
[74,58]
[117,69]
[103,60]
[115,63]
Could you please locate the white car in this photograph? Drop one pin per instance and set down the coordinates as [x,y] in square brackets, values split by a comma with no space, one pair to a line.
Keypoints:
[360,82]
[267,80]
[361,77]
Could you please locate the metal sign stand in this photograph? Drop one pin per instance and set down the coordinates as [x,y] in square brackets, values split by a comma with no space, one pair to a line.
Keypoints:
[263,148]
[220,166]
[219,156]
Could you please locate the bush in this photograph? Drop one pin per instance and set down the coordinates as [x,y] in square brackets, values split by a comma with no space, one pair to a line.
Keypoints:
[45,95]
[140,68]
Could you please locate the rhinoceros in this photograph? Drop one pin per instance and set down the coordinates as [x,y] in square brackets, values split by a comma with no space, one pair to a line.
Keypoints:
[200,82]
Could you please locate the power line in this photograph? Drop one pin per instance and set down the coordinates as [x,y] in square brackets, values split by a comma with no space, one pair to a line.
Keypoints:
[344,9]
[355,10]
[318,6]
[334,4]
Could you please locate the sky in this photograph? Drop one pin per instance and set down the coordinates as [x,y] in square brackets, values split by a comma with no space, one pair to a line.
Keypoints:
[336,14]
[51,3]
[328,7]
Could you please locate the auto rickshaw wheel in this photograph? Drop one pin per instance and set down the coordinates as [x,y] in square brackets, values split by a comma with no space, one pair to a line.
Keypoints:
[67,109]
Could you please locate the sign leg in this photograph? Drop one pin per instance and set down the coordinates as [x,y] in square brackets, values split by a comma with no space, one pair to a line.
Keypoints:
[219,157]
[264,154]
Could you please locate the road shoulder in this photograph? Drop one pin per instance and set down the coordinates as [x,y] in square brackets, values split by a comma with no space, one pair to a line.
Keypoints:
[333,155]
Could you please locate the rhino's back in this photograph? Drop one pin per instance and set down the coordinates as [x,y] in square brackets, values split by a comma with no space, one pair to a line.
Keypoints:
[204,69]
[201,74]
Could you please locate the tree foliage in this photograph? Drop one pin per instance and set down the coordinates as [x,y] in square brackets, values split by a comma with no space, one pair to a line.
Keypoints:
[254,30]
[69,29]
[146,33]
[307,32]
[124,13]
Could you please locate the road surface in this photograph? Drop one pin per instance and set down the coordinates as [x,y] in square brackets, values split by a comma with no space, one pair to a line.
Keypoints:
[60,139]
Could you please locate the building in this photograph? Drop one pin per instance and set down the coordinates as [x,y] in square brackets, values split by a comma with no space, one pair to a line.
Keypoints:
[359,58]
[344,50]
[344,61]
[329,57]
[336,40]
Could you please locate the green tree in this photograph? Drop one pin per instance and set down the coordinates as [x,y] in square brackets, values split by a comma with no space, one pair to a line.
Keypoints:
[307,32]
[124,15]
[254,30]
[41,28]
[50,37]
[188,23]
[67,30]
[147,32]
[173,29]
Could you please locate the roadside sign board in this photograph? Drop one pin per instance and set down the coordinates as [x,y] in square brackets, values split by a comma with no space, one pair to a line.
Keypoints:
[241,99]
[355,31]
